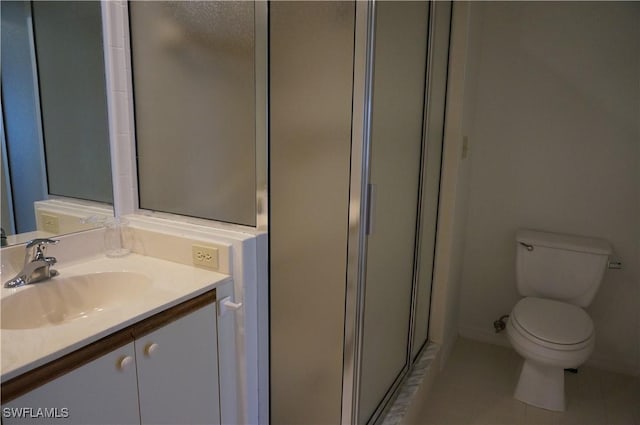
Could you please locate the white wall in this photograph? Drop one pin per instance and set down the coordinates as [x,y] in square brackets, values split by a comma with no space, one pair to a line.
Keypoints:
[551,111]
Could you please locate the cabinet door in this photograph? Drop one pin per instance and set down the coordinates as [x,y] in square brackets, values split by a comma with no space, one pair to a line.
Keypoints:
[103,391]
[178,371]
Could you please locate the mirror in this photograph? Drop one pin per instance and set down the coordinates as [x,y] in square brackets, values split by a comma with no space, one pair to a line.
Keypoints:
[56,166]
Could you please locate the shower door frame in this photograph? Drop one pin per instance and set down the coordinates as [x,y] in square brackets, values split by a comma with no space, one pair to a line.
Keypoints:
[360,213]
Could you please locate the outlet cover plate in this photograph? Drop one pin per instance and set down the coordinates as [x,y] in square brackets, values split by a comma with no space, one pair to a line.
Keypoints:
[50,223]
[205,256]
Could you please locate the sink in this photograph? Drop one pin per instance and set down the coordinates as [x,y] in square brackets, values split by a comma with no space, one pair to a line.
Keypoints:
[63,300]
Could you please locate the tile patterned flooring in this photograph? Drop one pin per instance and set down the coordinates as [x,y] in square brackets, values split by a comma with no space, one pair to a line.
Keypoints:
[477,382]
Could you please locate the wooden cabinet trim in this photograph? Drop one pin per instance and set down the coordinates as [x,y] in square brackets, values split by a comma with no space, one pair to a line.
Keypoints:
[41,375]
[163,318]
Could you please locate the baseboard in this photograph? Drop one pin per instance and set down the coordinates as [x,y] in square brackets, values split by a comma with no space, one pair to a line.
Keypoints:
[484,335]
[597,361]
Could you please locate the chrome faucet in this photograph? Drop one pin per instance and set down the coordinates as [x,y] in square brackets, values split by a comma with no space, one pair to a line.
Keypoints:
[37,266]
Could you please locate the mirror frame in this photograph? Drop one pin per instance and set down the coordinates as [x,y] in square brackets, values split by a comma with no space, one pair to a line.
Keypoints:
[117,49]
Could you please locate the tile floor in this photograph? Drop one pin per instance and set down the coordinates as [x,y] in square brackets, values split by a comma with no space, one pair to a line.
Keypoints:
[476,387]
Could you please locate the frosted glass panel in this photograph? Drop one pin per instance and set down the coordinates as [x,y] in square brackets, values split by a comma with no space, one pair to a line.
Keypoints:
[311,74]
[193,75]
[396,140]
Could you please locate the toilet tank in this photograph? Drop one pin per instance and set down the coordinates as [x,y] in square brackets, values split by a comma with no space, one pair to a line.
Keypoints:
[562,267]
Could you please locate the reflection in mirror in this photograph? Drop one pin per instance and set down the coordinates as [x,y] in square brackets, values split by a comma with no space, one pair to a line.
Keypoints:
[56,167]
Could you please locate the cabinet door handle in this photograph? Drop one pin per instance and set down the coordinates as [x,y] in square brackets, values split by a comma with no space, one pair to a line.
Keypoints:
[124,362]
[150,349]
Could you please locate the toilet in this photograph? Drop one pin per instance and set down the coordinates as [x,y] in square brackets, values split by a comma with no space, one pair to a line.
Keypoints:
[558,275]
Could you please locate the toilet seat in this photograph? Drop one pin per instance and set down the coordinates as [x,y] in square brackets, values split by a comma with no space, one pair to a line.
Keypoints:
[552,324]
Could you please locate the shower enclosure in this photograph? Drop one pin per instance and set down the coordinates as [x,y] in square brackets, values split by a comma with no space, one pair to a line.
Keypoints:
[356,104]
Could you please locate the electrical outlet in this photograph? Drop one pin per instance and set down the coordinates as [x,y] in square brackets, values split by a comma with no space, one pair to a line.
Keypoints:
[49,223]
[205,256]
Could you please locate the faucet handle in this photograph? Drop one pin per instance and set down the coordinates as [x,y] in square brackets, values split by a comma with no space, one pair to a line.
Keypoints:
[37,247]
[41,242]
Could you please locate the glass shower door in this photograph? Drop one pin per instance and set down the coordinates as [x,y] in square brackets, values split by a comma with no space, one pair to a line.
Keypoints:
[400,49]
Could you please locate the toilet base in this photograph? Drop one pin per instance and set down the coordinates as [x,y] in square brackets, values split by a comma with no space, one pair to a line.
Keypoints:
[541,386]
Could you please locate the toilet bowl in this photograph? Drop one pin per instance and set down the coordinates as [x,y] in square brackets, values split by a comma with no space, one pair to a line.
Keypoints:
[551,336]
[558,275]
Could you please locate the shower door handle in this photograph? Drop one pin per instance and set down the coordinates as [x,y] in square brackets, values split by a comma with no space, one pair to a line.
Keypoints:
[369,214]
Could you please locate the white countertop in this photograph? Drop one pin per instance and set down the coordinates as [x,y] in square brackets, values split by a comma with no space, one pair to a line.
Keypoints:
[172,283]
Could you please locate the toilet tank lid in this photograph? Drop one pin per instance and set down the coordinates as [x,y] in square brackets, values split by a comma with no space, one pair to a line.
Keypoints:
[562,241]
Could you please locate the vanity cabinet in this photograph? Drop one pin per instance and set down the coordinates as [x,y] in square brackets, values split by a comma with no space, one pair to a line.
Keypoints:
[164,371]
[100,392]
[177,382]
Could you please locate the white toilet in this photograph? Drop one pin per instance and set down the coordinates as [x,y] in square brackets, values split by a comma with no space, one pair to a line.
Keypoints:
[558,275]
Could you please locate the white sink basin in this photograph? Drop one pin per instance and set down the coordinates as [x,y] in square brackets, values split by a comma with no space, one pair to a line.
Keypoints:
[65,299]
